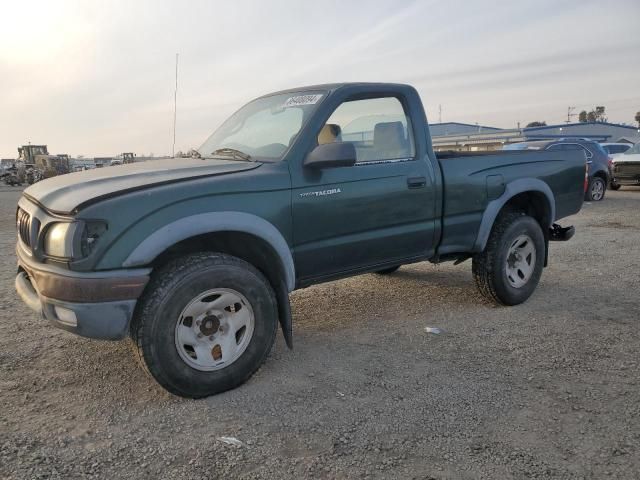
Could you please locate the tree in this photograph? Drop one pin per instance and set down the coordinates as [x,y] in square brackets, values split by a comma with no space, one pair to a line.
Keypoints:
[582,116]
[600,116]
[536,124]
[595,115]
[638,118]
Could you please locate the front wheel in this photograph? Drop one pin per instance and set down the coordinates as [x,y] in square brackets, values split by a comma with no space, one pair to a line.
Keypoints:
[509,269]
[205,324]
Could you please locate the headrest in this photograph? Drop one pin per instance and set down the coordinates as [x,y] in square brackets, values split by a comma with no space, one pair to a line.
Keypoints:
[388,135]
[330,133]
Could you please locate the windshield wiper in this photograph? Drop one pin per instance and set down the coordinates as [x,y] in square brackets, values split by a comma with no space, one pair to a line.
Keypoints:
[233,153]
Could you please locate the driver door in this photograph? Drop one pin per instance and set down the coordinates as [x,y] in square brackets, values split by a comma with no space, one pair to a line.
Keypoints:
[375,213]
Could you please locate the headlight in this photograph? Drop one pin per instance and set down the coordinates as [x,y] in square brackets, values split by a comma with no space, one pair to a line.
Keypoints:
[72,240]
[59,240]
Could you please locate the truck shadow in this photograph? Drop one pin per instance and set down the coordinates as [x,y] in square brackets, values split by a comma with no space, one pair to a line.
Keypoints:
[413,291]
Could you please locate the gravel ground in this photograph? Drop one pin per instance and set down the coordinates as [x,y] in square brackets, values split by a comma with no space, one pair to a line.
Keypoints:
[548,389]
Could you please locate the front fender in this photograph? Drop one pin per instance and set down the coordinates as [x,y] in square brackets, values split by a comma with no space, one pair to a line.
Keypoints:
[211,222]
[512,189]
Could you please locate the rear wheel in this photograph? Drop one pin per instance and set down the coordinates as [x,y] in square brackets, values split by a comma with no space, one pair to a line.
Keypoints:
[205,324]
[509,269]
[595,190]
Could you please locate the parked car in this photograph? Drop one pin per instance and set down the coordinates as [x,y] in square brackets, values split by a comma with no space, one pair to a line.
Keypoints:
[597,158]
[614,149]
[626,168]
[195,258]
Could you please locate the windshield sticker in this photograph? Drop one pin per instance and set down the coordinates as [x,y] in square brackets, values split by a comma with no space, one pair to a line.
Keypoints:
[302,100]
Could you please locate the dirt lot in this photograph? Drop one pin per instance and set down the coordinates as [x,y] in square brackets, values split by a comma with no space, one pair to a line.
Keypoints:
[548,389]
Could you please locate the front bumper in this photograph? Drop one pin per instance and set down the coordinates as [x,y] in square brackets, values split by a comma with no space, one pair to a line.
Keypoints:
[92,304]
[627,180]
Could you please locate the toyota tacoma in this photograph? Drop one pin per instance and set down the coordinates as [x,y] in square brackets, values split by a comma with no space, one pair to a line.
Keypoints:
[194,258]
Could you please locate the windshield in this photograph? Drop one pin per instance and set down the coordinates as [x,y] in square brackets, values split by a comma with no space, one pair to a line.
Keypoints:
[635,150]
[263,128]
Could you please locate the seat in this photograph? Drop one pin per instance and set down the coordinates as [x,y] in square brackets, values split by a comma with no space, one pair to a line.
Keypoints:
[389,141]
[330,133]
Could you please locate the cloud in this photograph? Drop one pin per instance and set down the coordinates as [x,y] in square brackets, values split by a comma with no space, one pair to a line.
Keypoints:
[98,77]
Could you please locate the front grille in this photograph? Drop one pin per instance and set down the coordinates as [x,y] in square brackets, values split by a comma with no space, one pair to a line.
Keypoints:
[23,223]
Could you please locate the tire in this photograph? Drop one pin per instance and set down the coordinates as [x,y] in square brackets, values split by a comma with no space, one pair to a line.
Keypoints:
[169,333]
[615,186]
[497,272]
[596,190]
[387,271]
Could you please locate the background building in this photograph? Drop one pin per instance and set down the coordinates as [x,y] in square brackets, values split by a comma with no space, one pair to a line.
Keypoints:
[466,137]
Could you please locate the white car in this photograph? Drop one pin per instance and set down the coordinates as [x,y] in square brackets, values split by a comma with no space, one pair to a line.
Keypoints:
[614,149]
[625,168]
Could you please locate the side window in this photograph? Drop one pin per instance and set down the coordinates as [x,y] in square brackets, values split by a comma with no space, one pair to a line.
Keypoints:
[555,147]
[379,129]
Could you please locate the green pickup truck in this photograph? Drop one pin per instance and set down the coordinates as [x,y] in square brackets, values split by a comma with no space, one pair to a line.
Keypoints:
[194,259]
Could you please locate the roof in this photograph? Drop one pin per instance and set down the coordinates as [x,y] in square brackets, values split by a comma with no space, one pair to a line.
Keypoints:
[458,128]
[336,86]
[474,125]
[581,124]
[627,140]
[544,143]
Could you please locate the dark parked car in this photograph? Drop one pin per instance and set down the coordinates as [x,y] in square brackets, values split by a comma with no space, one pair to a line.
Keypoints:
[597,158]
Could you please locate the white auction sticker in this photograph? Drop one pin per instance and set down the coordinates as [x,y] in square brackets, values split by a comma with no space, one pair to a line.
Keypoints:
[302,100]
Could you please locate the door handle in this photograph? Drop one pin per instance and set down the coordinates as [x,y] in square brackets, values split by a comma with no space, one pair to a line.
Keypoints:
[416,182]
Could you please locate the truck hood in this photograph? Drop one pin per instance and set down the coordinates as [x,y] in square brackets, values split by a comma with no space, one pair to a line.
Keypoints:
[69,193]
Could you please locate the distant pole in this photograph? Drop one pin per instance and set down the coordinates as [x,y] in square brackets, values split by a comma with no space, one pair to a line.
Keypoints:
[175,109]
[439,113]
[570,113]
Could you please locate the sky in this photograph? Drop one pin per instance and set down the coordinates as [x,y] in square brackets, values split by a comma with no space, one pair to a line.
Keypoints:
[97,78]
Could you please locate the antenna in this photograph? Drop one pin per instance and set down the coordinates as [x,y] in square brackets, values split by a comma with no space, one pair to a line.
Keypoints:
[439,113]
[570,113]
[175,108]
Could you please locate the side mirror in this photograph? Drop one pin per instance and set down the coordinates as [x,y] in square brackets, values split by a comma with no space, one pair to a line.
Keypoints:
[331,155]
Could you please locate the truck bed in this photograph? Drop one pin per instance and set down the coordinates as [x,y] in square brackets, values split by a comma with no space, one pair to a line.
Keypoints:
[474,179]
